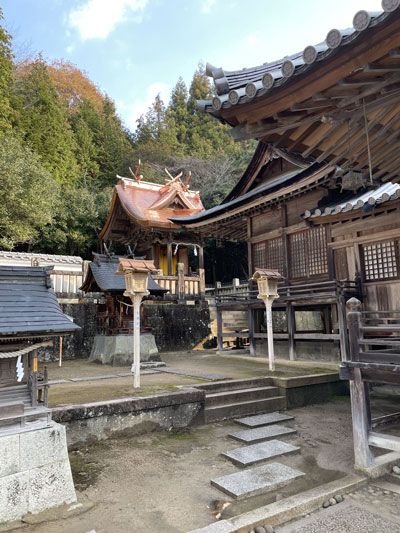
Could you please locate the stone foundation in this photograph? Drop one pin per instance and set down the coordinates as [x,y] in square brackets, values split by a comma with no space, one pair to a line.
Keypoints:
[35,473]
[117,350]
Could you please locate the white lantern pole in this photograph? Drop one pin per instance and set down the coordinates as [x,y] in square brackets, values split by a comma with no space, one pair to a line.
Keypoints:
[136,300]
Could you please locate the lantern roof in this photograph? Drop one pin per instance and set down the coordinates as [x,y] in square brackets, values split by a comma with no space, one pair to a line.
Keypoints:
[266,273]
[135,265]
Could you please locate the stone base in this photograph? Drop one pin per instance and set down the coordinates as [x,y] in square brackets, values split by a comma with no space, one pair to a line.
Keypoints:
[35,473]
[117,350]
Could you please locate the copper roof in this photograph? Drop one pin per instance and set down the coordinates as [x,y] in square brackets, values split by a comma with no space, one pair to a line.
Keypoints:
[153,204]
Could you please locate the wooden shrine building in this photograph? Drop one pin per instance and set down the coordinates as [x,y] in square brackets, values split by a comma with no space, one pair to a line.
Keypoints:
[320,199]
[140,216]
[30,318]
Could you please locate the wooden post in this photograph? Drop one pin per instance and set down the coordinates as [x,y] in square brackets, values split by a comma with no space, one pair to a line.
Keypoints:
[169,258]
[270,334]
[235,285]
[354,323]
[361,420]
[202,284]
[34,378]
[220,345]
[341,310]
[60,352]
[201,257]
[252,342]
[46,387]
[291,329]
[180,269]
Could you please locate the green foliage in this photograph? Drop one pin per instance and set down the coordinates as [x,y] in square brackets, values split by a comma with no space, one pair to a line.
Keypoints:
[6,68]
[28,193]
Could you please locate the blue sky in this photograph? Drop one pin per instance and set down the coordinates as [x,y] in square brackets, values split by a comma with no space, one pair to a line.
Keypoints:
[135,49]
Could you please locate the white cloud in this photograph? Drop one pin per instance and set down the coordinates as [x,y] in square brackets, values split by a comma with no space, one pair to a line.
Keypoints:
[206,6]
[131,112]
[96,19]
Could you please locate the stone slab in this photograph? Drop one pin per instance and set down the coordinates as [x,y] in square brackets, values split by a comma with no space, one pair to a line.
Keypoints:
[217,527]
[50,485]
[257,453]
[93,378]
[9,455]
[14,496]
[142,373]
[257,480]
[263,420]
[50,441]
[252,436]
[385,485]
[117,349]
[58,381]
[194,374]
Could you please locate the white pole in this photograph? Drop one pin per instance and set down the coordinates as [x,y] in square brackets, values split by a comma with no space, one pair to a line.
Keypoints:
[136,300]
[270,334]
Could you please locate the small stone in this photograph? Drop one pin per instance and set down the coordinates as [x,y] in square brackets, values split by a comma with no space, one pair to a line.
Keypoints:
[339,498]
[371,490]
[396,469]
[332,501]
[326,504]
[259,529]
[268,528]
[386,492]
[376,502]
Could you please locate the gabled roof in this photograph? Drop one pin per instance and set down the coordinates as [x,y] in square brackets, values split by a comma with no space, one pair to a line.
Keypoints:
[28,305]
[10,257]
[149,205]
[101,276]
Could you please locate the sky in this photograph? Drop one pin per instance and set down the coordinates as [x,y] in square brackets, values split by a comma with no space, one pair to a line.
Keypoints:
[135,49]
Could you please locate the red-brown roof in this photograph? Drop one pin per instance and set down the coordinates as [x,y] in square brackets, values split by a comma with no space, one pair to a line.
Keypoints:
[152,204]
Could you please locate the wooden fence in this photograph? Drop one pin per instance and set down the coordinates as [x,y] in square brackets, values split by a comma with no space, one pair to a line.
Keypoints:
[181,286]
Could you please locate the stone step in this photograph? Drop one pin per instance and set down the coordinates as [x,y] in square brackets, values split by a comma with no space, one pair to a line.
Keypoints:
[259,480]
[385,485]
[393,478]
[236,384]
[259,453]
[226,412]
[263,420]
[252,436]
[241,395]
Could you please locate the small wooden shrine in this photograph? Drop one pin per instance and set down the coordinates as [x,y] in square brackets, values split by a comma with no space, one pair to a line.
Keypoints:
[30,318]
[140,216]
[114,314]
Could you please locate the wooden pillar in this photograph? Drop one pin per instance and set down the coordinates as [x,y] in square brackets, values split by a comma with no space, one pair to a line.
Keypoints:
[201,257]
[169,258]
[359,394]
[341,310]
[180,268]
[291,329]
[34,374]
[202,287]
[220,345]
[252,340]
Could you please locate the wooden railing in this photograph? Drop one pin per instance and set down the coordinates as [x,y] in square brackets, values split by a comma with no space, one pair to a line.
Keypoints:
[181,286]
[373,357]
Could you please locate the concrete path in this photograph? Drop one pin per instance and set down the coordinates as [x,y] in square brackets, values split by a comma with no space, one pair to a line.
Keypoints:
[257,480]
[260,434]
[261,452]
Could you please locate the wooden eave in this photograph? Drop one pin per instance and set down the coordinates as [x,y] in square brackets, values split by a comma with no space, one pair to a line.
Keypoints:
[320,113]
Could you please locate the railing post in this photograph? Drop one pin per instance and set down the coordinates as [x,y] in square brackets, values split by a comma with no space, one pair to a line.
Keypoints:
[252,343]
[218,312]
[34,379]
[291,329]
[46,387]
[341,309]
[235,285]
[202,283]
[354,325]
[180,269]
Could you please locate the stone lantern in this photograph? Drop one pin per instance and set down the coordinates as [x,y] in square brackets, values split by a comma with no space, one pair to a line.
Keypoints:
[136,273]
[267,281]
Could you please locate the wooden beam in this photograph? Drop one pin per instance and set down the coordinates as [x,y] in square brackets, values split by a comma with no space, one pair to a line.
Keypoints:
[380,440]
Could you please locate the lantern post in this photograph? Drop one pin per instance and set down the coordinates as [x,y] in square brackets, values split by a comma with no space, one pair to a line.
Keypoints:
[267,281]
[136,273]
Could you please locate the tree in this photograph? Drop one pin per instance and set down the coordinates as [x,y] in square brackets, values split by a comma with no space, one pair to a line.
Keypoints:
[43,123]
[27,194]
[6,69]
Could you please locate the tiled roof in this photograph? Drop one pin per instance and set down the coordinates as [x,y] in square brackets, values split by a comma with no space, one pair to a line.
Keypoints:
[28,305]
[51,258]
[103,270]
[364,200]
[241,86]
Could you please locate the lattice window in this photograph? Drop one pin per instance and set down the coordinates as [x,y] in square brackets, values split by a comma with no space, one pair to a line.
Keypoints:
[275,254]
[381,260]
[259,259]
[308,253]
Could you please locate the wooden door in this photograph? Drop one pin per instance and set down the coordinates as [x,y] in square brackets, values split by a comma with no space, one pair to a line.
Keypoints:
[8,371]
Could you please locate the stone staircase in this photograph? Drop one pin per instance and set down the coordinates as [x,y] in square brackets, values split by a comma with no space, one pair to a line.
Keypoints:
[231,399]
[17,393]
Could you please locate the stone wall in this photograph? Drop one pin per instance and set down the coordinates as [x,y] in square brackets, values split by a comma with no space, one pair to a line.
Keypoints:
[177,326]
[35,473]
[130,416]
